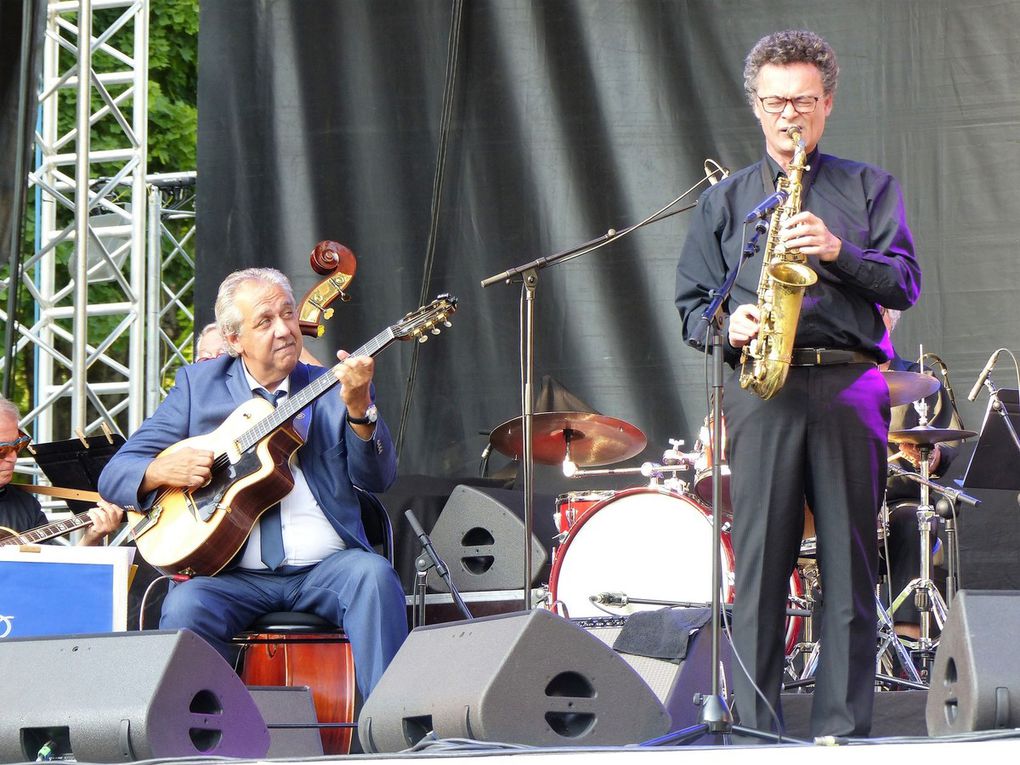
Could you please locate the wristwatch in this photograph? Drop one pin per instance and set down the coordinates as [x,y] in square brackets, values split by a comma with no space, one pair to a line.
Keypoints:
[371,415]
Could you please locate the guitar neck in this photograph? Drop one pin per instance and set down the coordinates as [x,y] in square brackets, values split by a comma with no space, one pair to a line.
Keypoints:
[50,530]
[316,388]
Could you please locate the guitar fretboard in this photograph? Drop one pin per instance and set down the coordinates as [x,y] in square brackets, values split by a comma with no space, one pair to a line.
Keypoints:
[50,530]
[308,394]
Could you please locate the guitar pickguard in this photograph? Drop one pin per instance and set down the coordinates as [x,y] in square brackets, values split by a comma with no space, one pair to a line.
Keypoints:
[206,500]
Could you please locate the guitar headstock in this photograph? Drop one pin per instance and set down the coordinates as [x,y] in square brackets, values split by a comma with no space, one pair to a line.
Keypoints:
[426,320]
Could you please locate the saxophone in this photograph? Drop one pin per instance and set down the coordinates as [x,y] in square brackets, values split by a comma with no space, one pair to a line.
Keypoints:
[765,361]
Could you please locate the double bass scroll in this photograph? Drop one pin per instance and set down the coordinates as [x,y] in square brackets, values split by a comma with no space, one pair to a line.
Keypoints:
[337,263]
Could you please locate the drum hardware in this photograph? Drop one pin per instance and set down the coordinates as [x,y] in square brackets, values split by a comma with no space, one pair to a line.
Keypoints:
[908,387]
[926,595]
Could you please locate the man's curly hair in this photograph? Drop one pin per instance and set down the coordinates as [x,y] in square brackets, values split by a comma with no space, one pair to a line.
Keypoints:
[792,46]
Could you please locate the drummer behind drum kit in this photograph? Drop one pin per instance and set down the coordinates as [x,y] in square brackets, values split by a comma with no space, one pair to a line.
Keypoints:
[649,547]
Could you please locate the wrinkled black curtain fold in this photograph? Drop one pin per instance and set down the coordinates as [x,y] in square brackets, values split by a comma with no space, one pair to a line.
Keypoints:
[444,143]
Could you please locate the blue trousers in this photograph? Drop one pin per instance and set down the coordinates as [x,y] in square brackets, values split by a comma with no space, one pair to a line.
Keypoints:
[354,588]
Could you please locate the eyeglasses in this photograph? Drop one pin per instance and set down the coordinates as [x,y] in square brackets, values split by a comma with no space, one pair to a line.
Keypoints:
[776,104]
[7,448]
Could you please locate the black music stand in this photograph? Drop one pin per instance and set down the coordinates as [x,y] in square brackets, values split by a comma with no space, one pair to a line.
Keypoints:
[995,463]
[77,463]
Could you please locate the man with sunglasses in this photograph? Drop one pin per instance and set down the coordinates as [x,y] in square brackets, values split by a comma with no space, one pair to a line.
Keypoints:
[19,510]
[821,439]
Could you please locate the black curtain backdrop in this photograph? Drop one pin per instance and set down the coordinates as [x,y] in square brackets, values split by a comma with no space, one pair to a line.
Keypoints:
[324,120]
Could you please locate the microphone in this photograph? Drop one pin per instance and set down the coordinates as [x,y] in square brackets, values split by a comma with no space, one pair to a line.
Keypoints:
[715,172]
[984,375]
[426,543]
[767,206]
[610,598]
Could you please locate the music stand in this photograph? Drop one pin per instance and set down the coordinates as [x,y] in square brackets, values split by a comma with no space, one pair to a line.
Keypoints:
[77,463]
[995,463]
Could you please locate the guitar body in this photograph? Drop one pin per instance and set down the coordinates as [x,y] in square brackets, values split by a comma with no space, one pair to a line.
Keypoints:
[199,532]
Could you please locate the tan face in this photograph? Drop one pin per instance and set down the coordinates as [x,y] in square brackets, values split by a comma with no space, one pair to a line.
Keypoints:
[210,345]
[270,338]
[8,432]
[790,81]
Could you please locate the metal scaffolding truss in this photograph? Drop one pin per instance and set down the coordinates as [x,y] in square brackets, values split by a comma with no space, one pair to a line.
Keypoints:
[87,274]
[111,277]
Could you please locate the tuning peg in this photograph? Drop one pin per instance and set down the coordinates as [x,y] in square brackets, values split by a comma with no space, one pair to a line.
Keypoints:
[436,330]
[328,313]
[423,339]
[447,323]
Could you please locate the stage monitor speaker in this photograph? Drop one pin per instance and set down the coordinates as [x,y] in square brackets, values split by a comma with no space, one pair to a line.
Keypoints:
[122,697]
[289,712]
[975,681]
[481,540]
[674,684]
[528,678]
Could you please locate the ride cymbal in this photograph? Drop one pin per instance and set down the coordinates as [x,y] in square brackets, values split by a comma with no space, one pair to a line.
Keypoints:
[591,439]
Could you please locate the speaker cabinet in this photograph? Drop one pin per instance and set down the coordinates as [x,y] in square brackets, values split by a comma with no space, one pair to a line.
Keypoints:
[122,697]
[674,684]
[975,682]
[528,678]
[283,707]
[481,540]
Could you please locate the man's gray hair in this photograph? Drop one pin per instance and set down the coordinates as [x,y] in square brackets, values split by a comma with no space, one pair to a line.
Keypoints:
[228,317]
[9,408]
[792,46]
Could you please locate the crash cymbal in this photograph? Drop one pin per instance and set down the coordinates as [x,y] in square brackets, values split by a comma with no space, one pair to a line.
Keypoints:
[594,439]
[925,435]
[905,387]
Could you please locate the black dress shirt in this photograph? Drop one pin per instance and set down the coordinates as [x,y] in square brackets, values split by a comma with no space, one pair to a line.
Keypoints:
[859,203]
[19,511]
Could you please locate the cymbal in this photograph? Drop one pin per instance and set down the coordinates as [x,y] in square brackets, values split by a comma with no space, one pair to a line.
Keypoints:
[594,439]
[905,387]
[926,435]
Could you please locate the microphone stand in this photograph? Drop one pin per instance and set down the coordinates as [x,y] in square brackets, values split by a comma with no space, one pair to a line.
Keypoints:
[527,273]
[422,565]
[715,716]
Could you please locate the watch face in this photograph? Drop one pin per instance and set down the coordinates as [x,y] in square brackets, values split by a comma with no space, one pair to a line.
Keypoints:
[372,413]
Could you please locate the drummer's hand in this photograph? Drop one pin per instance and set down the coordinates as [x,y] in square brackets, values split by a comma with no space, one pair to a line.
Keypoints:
[913,455]
[106,519]
[743,325]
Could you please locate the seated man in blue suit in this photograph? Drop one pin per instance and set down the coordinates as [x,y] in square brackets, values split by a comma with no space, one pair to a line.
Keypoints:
[323,564]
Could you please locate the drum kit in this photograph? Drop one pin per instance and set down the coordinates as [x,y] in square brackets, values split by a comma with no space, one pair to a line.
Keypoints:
[647,547]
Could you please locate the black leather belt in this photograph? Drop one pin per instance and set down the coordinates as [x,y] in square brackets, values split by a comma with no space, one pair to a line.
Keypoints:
[821,357]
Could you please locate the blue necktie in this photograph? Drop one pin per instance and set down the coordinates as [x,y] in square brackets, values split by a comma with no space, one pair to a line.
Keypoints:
[272,529]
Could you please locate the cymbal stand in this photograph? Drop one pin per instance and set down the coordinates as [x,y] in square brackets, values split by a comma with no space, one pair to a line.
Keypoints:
[926,595]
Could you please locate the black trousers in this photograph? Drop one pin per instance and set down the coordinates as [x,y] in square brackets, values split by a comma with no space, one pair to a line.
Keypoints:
[822,440]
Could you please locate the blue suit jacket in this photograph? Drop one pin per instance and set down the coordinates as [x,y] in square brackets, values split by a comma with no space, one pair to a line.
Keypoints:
[333,458]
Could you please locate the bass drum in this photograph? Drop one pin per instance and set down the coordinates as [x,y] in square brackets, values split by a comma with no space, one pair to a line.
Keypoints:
[646,544]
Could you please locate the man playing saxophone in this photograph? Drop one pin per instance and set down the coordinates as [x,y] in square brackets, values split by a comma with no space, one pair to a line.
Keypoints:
[821,438]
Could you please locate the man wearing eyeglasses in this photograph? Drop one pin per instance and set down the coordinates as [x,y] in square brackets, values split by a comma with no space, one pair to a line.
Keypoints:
[820,440]
[19,511]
